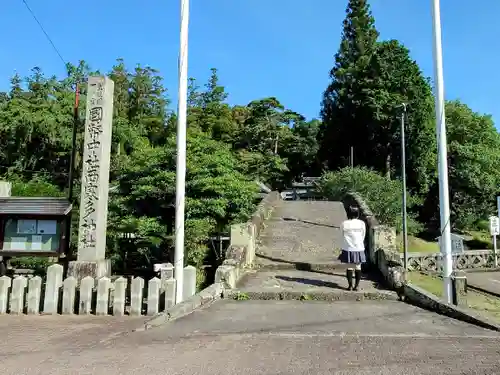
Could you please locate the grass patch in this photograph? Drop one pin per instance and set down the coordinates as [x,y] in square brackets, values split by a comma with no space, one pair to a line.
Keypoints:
[241,297]
[474,240]
[418,245]
[429,283]
[483,304]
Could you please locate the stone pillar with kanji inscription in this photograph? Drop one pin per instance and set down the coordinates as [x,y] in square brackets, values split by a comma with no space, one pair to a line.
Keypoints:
[91,257]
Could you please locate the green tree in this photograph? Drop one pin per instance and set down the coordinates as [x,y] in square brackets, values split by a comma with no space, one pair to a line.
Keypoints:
[262,135]
[343,113]
[398,79]
[300,149]
[228,148]
[217,195]
[147,109]
[362,105]
[215,115]
[35,129]
[474,176]
[383,196]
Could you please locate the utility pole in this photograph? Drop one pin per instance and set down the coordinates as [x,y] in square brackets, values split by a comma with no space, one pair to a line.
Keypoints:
[71,170]
[180,179]
[403,177]
[76,120]
[351,157]
[444,203]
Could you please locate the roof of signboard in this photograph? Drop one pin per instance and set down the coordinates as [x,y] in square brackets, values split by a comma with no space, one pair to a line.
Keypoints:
[34,206]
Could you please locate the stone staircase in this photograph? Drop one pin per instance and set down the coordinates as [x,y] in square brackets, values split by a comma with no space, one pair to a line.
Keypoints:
[296,257]
[301,232]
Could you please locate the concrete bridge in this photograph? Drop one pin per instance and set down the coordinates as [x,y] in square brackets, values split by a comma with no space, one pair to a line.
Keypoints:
[293,315]
[297,257]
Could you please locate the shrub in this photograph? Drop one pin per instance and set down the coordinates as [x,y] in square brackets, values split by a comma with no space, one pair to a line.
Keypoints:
[37,264]
[382,195]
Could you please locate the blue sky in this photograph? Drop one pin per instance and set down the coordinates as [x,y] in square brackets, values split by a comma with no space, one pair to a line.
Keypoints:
[281,48]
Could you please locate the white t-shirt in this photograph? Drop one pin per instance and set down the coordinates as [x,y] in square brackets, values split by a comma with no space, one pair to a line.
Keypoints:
[353,235]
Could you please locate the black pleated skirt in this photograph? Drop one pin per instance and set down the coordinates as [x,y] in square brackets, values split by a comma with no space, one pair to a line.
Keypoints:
[352,257]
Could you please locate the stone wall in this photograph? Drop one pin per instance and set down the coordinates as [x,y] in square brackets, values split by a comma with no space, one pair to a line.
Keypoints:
[53,295]
[241,251]
[380,244]
[432,262]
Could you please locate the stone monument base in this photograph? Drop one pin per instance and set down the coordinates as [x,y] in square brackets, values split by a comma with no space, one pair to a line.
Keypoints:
[96,269]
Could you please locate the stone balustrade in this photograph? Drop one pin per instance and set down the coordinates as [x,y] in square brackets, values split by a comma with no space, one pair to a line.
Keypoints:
[432,262]
[32,296]
[241,252]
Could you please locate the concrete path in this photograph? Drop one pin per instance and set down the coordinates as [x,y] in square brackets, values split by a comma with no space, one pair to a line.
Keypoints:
[252,338]
[487,281]
[302,232]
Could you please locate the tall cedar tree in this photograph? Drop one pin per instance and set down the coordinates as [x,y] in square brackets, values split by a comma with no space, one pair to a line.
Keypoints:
[398,79]
[342,111]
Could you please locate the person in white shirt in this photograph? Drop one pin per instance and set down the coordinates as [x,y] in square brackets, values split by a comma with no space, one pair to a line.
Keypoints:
[353,246]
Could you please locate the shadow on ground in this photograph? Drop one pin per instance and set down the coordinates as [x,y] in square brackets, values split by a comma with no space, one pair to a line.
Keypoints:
[300,266]
[311,282]
[310,222]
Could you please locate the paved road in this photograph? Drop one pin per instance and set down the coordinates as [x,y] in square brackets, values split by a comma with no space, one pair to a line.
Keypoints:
[489,281]
[256,337]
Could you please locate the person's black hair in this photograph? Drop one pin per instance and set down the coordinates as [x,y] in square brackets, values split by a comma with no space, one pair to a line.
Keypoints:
[353,213]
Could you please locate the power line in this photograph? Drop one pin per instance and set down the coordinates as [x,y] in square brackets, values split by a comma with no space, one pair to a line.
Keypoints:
[43,30]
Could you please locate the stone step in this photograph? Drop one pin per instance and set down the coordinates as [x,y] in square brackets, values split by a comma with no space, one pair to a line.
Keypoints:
[300,266]
[280,294]
[279,284]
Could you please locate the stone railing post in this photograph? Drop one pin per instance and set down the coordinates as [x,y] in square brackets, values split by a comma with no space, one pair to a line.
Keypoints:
[5,283]
[459,288]
[17,294]
[153,298]
[52,286]
[189,282]
[136,294]
[34,295]
[169,286]
[69,295]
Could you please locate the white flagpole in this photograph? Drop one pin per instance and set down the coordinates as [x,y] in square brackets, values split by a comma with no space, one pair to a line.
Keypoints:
[444,204]
[180,190]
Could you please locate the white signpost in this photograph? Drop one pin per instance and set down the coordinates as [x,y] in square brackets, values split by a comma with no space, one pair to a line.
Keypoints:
[457,243]
[498,206]
[495,231]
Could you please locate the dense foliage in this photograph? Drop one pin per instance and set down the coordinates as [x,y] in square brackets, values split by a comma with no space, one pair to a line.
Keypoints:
[229,149]
[361,108]
[383,196]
